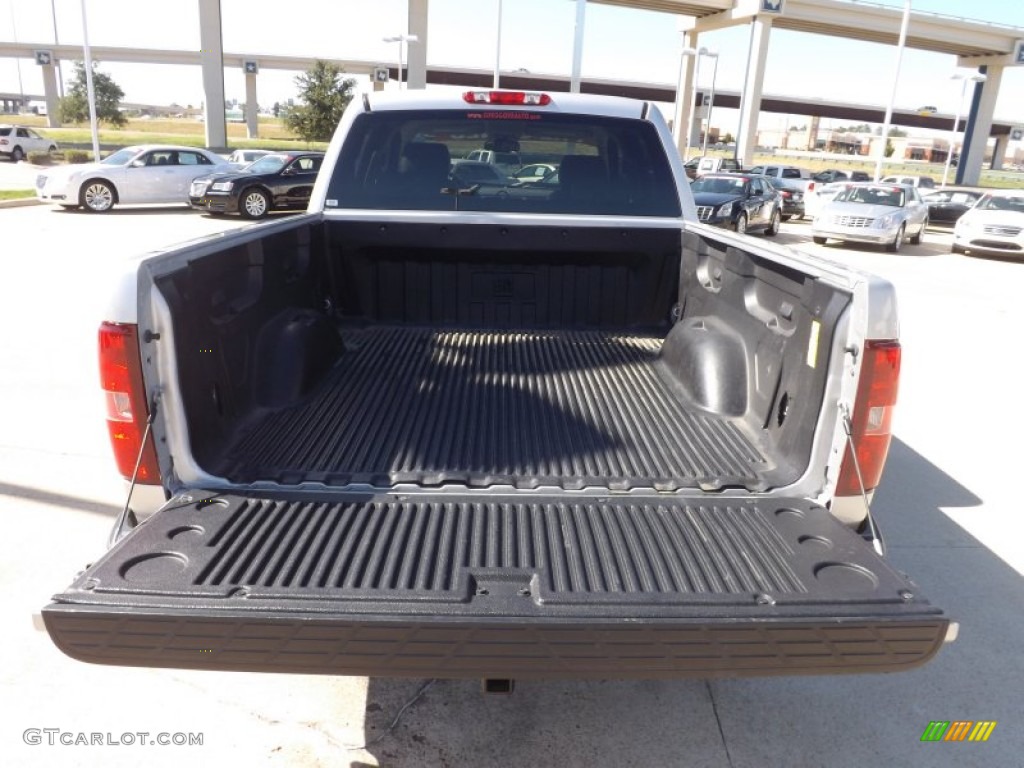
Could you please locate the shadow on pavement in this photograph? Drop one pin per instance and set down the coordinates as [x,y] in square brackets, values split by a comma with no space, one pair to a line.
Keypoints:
[879,719]
[59,499]
[801,721]
[119,210]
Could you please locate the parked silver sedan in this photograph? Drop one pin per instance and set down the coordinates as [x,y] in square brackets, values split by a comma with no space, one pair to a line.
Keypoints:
[882,214]
[148,173]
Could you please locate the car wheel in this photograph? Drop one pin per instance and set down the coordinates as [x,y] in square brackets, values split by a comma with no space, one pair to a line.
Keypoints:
[741,223]
[897,243]
[773,225]
[97,196]
[957,249]
[254,204]
[787,217]
[51,149]
[916,239]
[17,155]
[819,240]
[799,217]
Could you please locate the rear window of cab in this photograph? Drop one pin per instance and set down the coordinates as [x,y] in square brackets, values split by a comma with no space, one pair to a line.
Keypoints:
[403,160]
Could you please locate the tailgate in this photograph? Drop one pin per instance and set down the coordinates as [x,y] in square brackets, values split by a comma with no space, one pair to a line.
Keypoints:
[491,586]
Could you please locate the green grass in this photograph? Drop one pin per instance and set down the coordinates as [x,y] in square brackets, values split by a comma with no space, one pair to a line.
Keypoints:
[16,194]
[191,133]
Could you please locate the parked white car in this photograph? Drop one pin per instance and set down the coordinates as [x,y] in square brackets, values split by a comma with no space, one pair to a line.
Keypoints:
[864,212]
[16,142]
[242,157]
[924,182]
[995,225]
[147,173]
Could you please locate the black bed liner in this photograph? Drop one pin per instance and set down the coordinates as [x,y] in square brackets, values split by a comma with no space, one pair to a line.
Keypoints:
[569,409]
[496,587]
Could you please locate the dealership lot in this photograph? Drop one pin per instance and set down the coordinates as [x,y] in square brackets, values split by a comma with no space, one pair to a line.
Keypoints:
[948,506]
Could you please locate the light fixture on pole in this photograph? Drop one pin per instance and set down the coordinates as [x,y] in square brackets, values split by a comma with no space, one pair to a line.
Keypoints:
[972,78]
[711,101]
[892,97]
[401,40]
[677,127]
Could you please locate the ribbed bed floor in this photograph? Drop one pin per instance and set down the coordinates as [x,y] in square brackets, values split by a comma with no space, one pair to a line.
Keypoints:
[529,409]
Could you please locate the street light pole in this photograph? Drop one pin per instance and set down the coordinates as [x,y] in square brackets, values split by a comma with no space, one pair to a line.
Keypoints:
[90,91]
[956,121]
[497,52]
[679,95]
[401,40]
[892,97]
[711,102]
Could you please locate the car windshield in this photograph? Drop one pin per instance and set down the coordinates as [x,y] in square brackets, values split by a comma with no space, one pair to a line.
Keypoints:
[1001,203]
[719,185]
[267,164]
[121,157]
[891,196]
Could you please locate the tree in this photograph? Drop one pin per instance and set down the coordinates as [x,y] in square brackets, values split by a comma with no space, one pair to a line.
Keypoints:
[324,95]
[728,138]
[74,107]
[889,148]
[277,109]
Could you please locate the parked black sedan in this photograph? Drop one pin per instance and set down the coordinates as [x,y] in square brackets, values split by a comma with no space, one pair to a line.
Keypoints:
[740,201]
[277,181]
[948,205]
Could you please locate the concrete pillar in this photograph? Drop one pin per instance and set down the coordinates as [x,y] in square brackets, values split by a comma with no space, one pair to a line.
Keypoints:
[211,56]
[979,126]
[750,100]
[252,123]
[50,94]
[813,126]
[684,99]
[416,53]
[999,152]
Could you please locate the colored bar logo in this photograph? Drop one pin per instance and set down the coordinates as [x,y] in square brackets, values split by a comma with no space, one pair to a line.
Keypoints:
[958,730]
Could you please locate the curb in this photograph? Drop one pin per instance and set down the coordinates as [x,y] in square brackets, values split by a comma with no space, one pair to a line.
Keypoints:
[20,202]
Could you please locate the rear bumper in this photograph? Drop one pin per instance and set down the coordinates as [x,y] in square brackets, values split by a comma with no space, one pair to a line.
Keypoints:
[441,646]
[488,586]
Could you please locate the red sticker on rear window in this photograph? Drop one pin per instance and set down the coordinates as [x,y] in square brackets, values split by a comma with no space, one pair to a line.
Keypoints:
[502,116]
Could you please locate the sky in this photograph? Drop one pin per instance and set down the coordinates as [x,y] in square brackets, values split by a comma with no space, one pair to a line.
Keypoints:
[537,35]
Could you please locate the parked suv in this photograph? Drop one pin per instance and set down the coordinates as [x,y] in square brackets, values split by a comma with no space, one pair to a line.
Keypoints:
[834,174]
[16,142]
[792,184]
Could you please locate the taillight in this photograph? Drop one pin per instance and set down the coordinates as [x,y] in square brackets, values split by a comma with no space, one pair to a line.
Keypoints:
[523,98]
[810,186]
[127,411]
[871,422]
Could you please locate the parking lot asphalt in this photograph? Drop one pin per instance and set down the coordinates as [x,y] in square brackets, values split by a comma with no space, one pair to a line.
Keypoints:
[948,505]
[17,175]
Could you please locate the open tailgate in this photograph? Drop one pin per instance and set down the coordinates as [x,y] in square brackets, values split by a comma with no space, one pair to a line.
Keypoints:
[500,587]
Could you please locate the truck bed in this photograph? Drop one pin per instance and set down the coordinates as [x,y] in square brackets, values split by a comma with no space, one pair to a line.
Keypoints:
[496,586]
[523,408]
